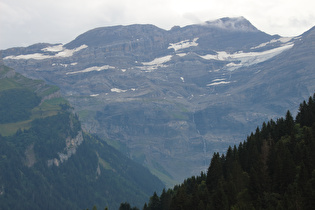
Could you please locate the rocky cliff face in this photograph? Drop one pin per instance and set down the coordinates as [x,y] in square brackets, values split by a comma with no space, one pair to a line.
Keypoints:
[169,99]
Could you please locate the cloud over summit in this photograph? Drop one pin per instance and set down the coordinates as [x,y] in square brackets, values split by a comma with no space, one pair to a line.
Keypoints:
[57,21]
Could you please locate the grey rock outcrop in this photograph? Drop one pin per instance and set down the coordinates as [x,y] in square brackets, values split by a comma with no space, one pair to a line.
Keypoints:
[71,147]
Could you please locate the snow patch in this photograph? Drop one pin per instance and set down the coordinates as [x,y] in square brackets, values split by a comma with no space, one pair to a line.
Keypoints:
[285,39]
[183,44]
[282,40]
[36,56]
[55,48]
[221,56]
[181,54]
[93,68]
[64,65]
[156,63]
[116,90]
[216,80]
[69,53]
[63,53]
[246,59]
[218,83]
[232,64]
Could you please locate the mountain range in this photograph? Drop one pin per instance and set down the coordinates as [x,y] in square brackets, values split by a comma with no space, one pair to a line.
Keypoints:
[168,99]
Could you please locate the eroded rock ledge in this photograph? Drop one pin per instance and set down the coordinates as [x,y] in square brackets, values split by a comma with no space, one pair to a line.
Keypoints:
[71,147]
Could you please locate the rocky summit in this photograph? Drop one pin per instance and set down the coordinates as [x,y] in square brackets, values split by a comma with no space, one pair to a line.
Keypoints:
[170,98]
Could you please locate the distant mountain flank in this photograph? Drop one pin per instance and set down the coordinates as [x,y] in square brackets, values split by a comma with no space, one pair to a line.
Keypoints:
[170,98]
[48,162]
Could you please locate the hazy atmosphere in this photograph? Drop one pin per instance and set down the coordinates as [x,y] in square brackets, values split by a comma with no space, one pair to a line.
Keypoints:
[55,21]
[157,105]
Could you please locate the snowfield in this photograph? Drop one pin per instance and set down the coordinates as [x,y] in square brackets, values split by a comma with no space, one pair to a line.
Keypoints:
[246,59]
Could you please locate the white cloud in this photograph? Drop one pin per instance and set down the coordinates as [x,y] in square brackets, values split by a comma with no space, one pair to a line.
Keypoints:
[58,21]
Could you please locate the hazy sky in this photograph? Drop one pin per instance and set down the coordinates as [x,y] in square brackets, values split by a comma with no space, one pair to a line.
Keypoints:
[25,22]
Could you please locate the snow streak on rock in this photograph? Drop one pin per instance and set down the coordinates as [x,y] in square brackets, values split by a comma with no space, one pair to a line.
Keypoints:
[62,53]
[93,68]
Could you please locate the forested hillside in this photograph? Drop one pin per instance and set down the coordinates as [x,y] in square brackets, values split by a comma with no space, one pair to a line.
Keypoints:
[48,162]
[273,169]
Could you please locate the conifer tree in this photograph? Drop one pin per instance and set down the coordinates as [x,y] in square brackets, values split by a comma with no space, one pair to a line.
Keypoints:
[215,172]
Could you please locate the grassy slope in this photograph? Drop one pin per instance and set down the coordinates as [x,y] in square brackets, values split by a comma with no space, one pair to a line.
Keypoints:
[49,107]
